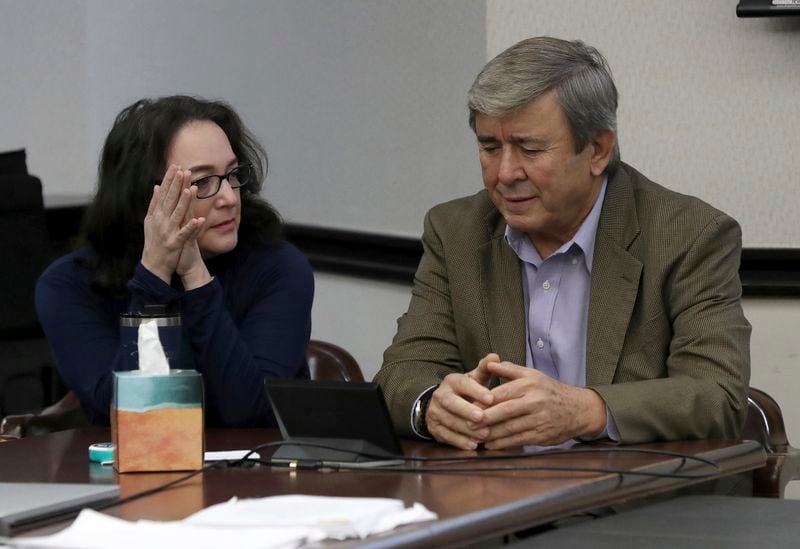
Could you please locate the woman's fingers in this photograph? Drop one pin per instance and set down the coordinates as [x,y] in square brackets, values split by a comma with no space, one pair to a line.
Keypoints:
[190,228]
[151,208]
[183,209]
[165,185]
[171,187]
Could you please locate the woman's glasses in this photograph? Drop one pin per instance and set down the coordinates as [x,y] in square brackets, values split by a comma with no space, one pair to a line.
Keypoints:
[237,177]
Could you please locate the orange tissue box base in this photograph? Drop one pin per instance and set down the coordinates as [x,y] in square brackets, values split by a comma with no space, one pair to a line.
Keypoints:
[157,421]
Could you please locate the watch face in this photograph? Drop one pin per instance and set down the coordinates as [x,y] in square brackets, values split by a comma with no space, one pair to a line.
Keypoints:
[420,425]
[418,420]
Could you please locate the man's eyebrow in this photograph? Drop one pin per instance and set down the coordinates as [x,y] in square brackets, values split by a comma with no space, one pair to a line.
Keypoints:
[486,138]
[525,139]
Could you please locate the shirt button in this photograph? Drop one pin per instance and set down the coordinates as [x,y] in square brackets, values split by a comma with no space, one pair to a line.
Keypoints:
[574,261]
[540,343]
[546,286]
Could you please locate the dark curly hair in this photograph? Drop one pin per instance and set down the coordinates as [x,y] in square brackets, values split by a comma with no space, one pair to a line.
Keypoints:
[133,159]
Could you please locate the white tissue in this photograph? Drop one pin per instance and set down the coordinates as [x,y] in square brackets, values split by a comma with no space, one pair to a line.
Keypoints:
[152,359]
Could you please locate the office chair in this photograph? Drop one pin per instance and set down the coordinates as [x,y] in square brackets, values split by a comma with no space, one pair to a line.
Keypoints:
[330,362]
[326,361]
[27,378]
[764,424]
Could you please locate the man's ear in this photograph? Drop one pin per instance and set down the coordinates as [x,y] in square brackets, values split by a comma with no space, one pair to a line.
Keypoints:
[602,150]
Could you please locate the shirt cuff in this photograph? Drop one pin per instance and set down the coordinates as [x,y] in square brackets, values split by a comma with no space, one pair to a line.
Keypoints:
[610,432]
[414,407]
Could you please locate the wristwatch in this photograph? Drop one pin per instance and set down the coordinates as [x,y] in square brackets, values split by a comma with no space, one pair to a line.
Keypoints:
[420,410]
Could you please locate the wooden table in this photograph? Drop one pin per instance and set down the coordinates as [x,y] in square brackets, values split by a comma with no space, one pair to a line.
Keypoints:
[471,506]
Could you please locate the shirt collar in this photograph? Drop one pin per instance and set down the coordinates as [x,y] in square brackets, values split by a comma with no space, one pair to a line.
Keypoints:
[584,238]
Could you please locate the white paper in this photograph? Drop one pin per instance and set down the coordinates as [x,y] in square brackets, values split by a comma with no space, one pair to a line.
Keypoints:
[230,455]
[152,359]
[273,522]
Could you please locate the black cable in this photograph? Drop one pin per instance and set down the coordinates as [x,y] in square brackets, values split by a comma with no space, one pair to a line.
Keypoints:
[511,468]
[320,465]
[338,466]
[483,457]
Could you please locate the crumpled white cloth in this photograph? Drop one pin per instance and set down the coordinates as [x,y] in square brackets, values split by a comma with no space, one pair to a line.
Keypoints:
[328,517]
[93,530]
[271,522]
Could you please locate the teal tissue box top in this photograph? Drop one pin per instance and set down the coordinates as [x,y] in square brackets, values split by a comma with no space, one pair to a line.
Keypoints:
[137,392]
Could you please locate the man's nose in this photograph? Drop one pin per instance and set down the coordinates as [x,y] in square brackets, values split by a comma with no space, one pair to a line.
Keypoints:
[510,169]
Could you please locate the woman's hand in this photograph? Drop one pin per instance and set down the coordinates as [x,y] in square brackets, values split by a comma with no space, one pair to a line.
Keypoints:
[169,228]
[191,267]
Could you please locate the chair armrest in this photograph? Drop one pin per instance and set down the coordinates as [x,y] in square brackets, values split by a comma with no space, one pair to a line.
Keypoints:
[64,414]
[765,424]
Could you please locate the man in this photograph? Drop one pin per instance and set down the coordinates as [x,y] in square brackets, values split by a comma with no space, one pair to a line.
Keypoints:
[604,304]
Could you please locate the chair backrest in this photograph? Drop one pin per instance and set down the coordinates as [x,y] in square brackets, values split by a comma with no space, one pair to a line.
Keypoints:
[330,362]
[27,377]
[23,246]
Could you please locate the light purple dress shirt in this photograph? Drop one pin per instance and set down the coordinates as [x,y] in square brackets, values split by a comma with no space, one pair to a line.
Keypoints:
[556,292]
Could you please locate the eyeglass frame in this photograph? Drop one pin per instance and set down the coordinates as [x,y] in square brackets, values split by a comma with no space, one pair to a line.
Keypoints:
[224,177]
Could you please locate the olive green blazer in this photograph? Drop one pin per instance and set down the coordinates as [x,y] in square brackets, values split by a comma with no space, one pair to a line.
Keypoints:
[667,342]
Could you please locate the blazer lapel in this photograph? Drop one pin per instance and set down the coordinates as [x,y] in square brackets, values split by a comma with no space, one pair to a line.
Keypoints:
[502,293]
[615,280]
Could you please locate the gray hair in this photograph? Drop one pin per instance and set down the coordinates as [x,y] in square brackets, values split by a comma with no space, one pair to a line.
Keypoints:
[576,72]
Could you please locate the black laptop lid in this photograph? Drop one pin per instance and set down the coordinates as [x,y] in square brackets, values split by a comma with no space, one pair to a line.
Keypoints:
[329,410]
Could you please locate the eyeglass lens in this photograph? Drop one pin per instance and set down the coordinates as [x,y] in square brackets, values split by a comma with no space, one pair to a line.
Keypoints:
[210,185]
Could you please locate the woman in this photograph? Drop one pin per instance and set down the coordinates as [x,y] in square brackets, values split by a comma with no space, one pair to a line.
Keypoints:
[201,242]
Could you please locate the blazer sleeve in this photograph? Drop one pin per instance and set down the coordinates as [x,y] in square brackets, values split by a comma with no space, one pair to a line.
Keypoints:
[424,349]
[703,350]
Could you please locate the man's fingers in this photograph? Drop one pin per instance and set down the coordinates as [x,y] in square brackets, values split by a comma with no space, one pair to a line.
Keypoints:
[467,387]
[509,370]
[452,429]
[455,404]
[504,411]
[481,374]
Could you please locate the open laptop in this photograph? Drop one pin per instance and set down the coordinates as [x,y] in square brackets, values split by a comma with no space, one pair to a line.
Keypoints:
[25,504]
[332,422]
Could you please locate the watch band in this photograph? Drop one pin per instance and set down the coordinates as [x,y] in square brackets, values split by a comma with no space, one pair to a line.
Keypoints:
[421,410]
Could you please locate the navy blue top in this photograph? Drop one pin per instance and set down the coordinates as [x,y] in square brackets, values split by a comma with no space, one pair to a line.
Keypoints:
[250,323]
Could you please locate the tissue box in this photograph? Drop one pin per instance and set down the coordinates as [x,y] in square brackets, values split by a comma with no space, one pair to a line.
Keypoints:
[157,421]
